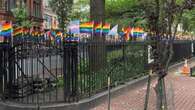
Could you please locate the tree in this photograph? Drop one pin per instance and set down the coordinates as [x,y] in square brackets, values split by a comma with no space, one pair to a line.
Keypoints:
[81,10]
[188,21]
[97,14]
[63,9]
[125,12]
[21,17]
[163,17]
[97,10]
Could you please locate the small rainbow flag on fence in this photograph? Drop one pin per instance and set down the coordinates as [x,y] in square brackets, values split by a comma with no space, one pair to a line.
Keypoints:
[106,28]
[74,27]
[6,29]
[98,27]
[26,30]
[137,32]
[51,35]
[35,33]
[86,27]
[59,34]
[18,31]
[126,31]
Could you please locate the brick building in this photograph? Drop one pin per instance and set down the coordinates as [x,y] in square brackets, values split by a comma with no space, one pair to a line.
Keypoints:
[34,9]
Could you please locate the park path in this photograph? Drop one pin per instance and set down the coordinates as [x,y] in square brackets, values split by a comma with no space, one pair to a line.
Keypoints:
[180,94]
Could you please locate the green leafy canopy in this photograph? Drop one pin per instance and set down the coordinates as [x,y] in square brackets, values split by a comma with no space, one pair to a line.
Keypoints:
[21,17]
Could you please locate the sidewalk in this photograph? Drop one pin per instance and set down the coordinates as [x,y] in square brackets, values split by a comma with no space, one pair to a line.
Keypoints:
[180,94]
[132,100]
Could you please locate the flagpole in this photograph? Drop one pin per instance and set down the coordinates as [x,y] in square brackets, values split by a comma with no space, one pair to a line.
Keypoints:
[92,32]
[12,39]
[101,32]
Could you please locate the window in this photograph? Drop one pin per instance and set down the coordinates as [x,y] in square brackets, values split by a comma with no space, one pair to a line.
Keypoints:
[3,4]
[37,9]
[22,3]
[12,4]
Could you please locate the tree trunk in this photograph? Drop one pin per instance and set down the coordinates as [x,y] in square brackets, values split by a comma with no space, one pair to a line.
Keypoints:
[97,10]
[161,95]
[97,50]
[97,14]
[1,73]
[162,18]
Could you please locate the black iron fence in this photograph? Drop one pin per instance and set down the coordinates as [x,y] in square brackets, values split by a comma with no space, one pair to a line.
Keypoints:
[4,53]
[87,66]
[34,69]
[41,72]
[182,49]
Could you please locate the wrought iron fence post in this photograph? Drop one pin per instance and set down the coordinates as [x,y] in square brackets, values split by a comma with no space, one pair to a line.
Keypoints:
[109,94]
[124,60]
[11,69]
[38,106]
[65,70]
[70,72]
[1,71]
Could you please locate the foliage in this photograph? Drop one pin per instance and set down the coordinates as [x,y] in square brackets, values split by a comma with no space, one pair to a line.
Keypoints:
[122,12]
[63,9]
[60,82]
[163,18]
[114,55]
[21,17]
[125,12]
[80,10]
[188,21]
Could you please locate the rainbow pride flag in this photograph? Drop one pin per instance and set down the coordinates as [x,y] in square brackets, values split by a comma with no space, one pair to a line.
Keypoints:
[51,35]
[40,33]
[137,32]
[17,31]
[6,29]
[74,27]
[35,33]
[126,31]
[106,28]
[59,34]
[98,28]
[26,30]
[86,27]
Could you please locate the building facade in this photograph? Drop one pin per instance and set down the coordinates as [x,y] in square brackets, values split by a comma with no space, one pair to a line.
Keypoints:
[34,10]
[50,18]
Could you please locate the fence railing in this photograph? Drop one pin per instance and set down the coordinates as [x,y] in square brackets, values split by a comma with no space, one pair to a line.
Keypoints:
[182,49]
[39,73]
[88,65]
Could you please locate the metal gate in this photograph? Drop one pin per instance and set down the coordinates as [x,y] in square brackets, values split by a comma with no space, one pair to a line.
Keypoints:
[35,72]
